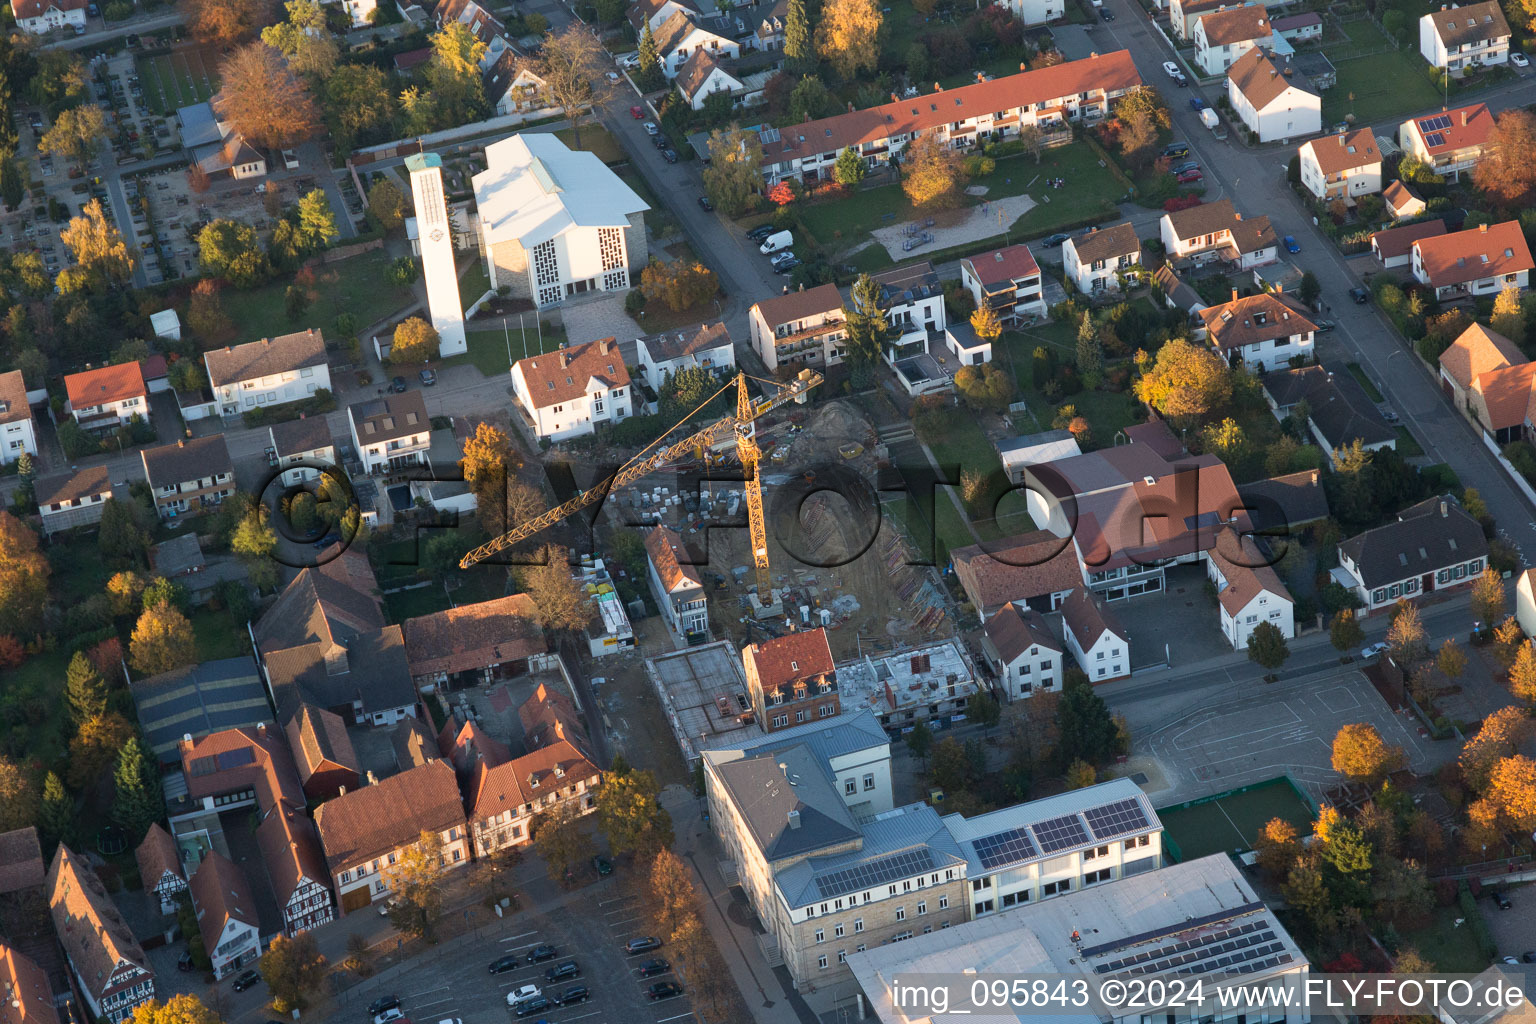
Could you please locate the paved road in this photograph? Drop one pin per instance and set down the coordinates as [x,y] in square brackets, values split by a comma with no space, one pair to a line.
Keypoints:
[116,29]
[1255,180]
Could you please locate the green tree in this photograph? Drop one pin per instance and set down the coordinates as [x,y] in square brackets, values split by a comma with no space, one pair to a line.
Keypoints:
[866,328]
[1089,352]
[304,39]
[1266,645]
[1085,730]
[121,538]
[136,804]
[453,74]
[387,203]
[809,99]
[1143,118]
[416,886]
[1488,599]
[1305,889]
[1309,289]
[163,591]
[19,802]
[849,169]
[84,690]
[1185,381]
[1344,631]
[630,815]
[1450,659]
[983,709]
[359,107]
[76,135]
[735,171]
[948,766]
[649,75]
[254,541]
[415,342]
[560,841]
[56,816]
[231,250]
[317,222]
[1081,775]
[920,740]
[799,57]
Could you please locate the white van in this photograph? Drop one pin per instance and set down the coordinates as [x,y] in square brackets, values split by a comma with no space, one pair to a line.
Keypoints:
[776,241]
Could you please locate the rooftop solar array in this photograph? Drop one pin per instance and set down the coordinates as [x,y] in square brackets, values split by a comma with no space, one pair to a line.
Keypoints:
[876,872]
[1438,123]
[1059,833]
[1435,139]
[1237,949]
[1117,819]
[1004,848]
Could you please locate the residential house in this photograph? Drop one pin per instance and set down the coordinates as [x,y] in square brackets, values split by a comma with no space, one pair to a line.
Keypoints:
[567,393]
[67,500]
[1393,247]
[556,222]
[39,17]
[1274,100]
[791,679]
[22,867]
[1299,28]
[226,914]
[1403,202]
[1017,453]
[28,994]
[302,448]
[799,327]
[1248,590]
[323,754]
[702,75]
[549,716]
[112,974]
[675,585]
[1339,412]
[1525,602]
[1096,262]
[769,34]
[912,300]
[1480,261]
[189,476]
[160,867]
[1009,279]
[295,863]
[1037,570]
[390,433]
[107,397]
[967,115]
[1285,503]
[484,26]
[656,12]
[1094,636]
[681,35]
[475,643]
[1216,231]
[17,435]
[1023,652]
[1034,12]
[512,86]
[1434,545]
[1266,331]
[1499,402]
[1465,36]
[235,768]
[1225,34]
[1343,166]
[1177,294]
[1477,351]
[1184,15]
[703,346]
[272,371]
[1449,142]
[366,830]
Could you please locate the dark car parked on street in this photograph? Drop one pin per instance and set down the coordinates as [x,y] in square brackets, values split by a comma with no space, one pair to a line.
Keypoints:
[543,951]
[652,968]
[664,990]
[560,972]
[246,980]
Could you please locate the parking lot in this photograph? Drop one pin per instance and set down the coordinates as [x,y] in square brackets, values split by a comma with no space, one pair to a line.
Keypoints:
[591,929]
[1514,930]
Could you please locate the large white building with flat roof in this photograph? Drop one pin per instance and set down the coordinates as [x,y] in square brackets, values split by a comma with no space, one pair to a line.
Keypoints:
[555,223]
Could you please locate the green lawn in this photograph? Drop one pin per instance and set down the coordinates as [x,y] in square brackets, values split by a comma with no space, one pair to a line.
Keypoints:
[358,286]
[1449,948]
[1371,390]
[475,283]
[595,139]
[1407,445]
[488,346]
[1384,85]
[407,604]
[1107,412]
[175,80]
[218,635]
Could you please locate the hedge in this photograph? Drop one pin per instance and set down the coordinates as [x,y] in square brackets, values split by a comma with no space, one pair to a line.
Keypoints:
[1476,924]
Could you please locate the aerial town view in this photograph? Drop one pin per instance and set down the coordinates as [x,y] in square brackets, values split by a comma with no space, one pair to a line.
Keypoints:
[717,510]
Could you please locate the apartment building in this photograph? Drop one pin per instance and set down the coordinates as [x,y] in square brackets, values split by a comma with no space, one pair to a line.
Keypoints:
[567,393]
[933,683]
[912,300]
[803,327]
[682,35]
[965,116]
[107,397]
[1457,37]
[1262,332]
[791,679]
[1225,34]
[1344,166]
[390,433]
[1009,279]
[272,371]
[1450,142]
[189,476]
[1480,261]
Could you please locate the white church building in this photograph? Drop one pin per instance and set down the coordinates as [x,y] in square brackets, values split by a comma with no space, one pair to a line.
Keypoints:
[435,239]
[555,223]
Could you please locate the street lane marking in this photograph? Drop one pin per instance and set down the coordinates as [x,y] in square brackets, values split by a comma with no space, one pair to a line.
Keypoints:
[678,1017]
[524,935]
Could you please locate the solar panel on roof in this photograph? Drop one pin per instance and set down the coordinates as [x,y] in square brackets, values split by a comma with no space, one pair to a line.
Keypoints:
[877,872]
[228,759]
[1439,122]
[1117,819]
[1059,833]
[1434,139]
[1004,848]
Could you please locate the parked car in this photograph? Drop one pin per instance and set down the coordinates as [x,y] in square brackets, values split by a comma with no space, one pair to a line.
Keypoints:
[602,865]
[522,994]
[1196,103]
[664,990]
[381,1004]
[397,385]
[1360,295]
[1171,69]
[1373,651]
[392,1014]
[428,378]
[645,944]
[652,968]
[1291,245]
[1176,149]
[1519,60]
[1054,240]
[629,60]
[1323,326]
[574,994]
[246,980]
[781,257]
[560,972]
[670,156]
[1189,177]
[651,129]
[636,113]
[613,76]
[538,1004]
[1106,14]
[1500,900]
[543,951]
[776,241]
[761,232]
[184,962]
[506,963]
[787,266]
[1187,165]
[706,205]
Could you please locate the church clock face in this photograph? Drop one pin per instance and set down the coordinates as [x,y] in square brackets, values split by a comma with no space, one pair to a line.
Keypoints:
[436,235]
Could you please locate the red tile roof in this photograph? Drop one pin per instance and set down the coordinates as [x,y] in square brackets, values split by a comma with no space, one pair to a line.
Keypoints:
[789,658]
[105,384]
[548,716]
[1469,127]
[1395,242]
[237,759]
[1111,72]
[813,302]
[999,268]
[157,857]
[1346,151]
[89,926]
[562,376]
[28,996]
[511,786]
[290,848]
[473,636]
[1489,250]
[467,745]
[1235,25]
[1013,632]
[13,398]
[388,815]
[221,893]
[24,9]
[1016,568]
[21,860]
[1087,615]
[1506,394]
[318,737]
[662,545]
[1246,570]
[1478,350]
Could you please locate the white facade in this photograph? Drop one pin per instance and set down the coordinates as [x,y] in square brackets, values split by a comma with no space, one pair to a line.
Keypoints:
[1489,286]
[1097,275]
[39,17]
[592,396]
[238,945]
[1034,12]
[1525,602]
[1215,59]
[716,80]
[1340,183]
[1240,616]
[1491,48]
[1294,112]
[683,605]
[690,40]
[380,456]
[360,11]
[1104,657]
[17,437]
[1409,586]
[436,239]
[235,397]
[968,347]
[654,367]
[93,417]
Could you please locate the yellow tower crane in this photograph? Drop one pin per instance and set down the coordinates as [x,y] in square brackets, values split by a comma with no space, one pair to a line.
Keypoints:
[657,454]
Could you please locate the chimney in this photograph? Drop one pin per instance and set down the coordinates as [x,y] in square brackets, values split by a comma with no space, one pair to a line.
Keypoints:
[186,737]
[1314,478]
[565,359]
[794,819]
[1444,510]
[1483,228]
[894,98]
[341,790]
[937,87]
[850,108]
[371,780]
[181,443]
[1464,116]
[1234,294]
[980,77]
[261,728]
[1341,138]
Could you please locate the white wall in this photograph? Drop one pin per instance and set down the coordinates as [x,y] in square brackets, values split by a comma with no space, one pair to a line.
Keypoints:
[1036,668]
[1290,115]
[16,438]
[1109,657]
[275,389]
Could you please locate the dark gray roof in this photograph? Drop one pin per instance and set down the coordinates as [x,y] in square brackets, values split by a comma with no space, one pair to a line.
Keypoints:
[380,670]
[199,699]
[1426,537]
[305,434]
[188,459]
[906,285]
[330,603]
[266,357]
[393,416]
[768,787]
[375,672]
[177,555]
[1292,500]
[1342,411]
[686,341]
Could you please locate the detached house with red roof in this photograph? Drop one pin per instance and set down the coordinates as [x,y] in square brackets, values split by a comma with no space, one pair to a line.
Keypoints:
[1023,651]
[1478,261]
[675,584]
[1343,166]
[226,914]
[682,35]
[112,973]
[160,867]
[1272,98]
[965,116]
[1477,351]
[107,397]
[1449,142]
[1009,279]
[1248,590]
[17,434]
[1095,637]
[1216,231]
[1224,35]
[791,679]
[39,17]
[567,393]
[1488,378]
[1262,332]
